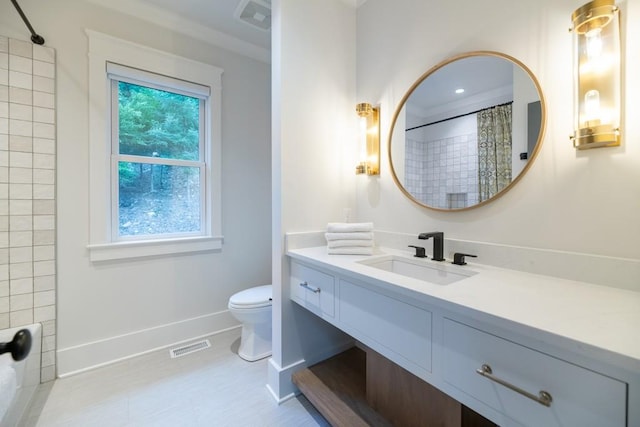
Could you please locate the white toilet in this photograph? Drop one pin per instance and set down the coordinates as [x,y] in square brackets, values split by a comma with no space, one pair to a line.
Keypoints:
[252,307]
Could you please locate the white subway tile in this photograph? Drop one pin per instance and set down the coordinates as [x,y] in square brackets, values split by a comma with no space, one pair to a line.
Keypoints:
[44,207]
[48,357]
[20,175]
[45,100]
[43,268]
[4,256]
[18,239]
[44,115]
[48,342]
[41,314]
[5,306]
[44,176]
[43,53]
[44,191]
[22,254]
[4,288]
[42,84]
[20,270]
[4,222]
[44,237]
[20,96]
[22,286]
[4,60]
[44,130]
[21,318]
[49,328]
[4,322]
[44,222]
[20,159]
[20,111]
[20,191]
[48,373]
[4,191]
[21,48]
[4,44]
[4,110]
[44,69]
[20,223]
[41,299]
[44,283]
[44,253]
[4,93]
[4,77]
[21,80]
[21,64]
[46,146]
[44,161]
[21,302]
[20,127]
[20,143]
[4,174]
[4,125]
[21,207]
[4,243]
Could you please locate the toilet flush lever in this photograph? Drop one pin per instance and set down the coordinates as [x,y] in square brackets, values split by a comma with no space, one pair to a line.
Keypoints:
[311,288]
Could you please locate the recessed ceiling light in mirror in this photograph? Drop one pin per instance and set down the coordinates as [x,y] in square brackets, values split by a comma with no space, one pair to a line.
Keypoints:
[459,90]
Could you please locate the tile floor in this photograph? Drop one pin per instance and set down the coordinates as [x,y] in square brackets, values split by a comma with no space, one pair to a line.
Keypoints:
[212,387]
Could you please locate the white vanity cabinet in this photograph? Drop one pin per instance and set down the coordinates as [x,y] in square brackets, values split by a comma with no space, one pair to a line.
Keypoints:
[529,386]
[512,383]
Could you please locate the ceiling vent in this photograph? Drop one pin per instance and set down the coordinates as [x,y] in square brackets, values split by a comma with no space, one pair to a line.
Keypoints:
[256,13]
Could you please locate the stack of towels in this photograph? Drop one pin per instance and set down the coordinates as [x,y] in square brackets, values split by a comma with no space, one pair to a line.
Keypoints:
[350,238]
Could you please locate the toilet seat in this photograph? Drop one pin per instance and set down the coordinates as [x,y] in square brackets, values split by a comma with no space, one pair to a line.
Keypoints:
[257,297]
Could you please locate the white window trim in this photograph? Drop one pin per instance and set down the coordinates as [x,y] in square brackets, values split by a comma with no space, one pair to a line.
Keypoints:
[102,49]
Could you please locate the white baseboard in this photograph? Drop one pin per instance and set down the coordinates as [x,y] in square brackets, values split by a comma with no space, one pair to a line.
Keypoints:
[280,385]
[84,357]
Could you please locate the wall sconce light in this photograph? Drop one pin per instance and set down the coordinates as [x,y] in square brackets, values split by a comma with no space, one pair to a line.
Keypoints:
[368,139]
[596,36]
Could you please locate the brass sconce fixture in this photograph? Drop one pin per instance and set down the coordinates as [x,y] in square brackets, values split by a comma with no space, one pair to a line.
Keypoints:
[596,35]
[368,139]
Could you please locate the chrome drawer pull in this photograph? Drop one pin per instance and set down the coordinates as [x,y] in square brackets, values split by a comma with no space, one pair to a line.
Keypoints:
[543,397]
[311,288]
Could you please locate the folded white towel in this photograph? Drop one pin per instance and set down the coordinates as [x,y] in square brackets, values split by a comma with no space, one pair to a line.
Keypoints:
[347,227]
[8,386]
[351,250]
[349,236]
[349,243]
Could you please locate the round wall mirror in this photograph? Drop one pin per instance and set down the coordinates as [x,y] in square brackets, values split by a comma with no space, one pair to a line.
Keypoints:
[466,131]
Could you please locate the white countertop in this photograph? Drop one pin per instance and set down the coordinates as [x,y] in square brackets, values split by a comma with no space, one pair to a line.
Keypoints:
[585,315]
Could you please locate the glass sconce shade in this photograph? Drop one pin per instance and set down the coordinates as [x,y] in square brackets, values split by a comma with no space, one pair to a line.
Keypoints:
[369,139]
[596,35]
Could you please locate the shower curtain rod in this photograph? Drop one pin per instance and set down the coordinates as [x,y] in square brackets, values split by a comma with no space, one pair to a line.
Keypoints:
[457,117]
[37,39]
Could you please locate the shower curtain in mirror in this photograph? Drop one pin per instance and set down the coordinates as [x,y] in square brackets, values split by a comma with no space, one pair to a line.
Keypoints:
[494,150]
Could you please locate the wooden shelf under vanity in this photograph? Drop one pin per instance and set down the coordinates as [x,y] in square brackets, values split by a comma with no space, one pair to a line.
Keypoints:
[362,388]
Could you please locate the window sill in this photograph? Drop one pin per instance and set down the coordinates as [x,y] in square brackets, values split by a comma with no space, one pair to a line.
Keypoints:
[151,248]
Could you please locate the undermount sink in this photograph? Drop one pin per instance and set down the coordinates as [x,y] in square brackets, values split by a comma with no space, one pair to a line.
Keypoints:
[417,268]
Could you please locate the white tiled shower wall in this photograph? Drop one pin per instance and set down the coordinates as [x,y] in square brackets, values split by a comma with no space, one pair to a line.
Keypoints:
[444,172]
[27,191]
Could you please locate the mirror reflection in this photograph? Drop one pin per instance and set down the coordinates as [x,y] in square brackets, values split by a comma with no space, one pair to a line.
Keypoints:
[466,131]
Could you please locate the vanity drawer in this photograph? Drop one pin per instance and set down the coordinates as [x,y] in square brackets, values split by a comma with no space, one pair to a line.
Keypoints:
[579,397]
[399,331]
[313,289]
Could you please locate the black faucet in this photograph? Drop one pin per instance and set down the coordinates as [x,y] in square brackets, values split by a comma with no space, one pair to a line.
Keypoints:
[438,243]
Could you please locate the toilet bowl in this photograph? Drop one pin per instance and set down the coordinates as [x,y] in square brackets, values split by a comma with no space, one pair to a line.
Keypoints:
[252,307]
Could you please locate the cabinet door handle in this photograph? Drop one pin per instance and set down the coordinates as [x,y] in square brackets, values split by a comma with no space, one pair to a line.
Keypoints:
[543,397]
[311,288]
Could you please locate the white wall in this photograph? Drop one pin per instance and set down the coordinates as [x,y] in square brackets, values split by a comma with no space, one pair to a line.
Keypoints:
[313,60]
[585,201]
[148,303]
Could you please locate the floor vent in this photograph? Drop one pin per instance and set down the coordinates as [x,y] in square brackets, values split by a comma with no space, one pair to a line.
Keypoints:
[189,348]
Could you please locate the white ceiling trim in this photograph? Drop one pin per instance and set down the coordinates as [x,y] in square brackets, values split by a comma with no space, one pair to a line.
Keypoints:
[187,27]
